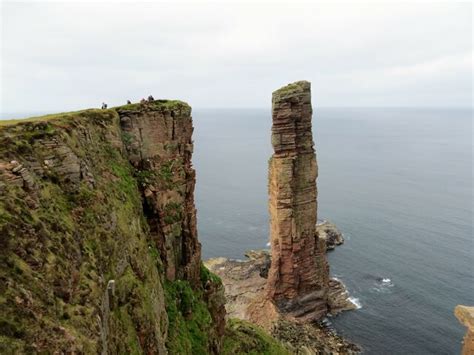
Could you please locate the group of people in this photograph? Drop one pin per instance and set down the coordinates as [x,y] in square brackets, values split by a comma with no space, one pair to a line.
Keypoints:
[142,101]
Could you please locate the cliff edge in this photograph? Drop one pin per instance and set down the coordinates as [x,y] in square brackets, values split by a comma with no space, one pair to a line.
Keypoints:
[98,243]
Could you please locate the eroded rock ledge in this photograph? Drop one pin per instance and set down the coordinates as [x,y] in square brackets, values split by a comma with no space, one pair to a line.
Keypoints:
[244,282]
[465,315]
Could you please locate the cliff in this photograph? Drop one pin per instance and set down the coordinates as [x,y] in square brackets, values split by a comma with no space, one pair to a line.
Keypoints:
[465,315]
[298,279]
[98,243]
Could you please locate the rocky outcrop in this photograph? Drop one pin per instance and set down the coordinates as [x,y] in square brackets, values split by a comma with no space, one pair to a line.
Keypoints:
[328,232]
[158,140]
[298,278]
[465,315]
[98,244]
[244,282]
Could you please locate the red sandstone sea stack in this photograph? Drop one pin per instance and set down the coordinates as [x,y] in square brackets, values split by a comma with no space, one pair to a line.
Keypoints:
[298,278]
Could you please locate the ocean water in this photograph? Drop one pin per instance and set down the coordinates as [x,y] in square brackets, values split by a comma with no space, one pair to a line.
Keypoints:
[397,182]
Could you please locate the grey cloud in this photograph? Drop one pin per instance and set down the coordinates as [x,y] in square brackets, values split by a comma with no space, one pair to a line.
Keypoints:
[67,56]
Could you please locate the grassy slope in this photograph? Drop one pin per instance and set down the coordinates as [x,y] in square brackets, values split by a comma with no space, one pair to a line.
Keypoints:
[61,243]
[245,338]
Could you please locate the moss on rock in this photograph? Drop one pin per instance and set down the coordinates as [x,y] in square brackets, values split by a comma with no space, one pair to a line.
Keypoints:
[242,337]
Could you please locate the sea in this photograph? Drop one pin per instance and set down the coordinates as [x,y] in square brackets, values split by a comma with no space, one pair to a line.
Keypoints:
[398,184]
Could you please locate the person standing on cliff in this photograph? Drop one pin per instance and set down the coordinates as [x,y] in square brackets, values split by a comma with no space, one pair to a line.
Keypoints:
[150,98]
[104,106]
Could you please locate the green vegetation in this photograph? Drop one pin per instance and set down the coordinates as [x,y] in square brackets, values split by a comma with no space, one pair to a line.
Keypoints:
[127,138]
[242,337]
[207,275]
[169,105]
[166,171]
[189,319]
[62,242]
[296,87]
[173,213]
[56,116]
[63,239]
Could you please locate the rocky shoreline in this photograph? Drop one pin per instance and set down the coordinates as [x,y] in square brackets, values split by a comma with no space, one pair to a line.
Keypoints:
[244,282]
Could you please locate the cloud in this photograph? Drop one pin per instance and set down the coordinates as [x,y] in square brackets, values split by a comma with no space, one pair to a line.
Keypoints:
[58,56]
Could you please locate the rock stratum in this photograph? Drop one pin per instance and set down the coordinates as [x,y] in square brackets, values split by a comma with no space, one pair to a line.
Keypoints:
[298,277]
[465,315]
[99,250]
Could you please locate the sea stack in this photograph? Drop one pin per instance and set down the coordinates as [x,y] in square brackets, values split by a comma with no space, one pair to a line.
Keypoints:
[298,277]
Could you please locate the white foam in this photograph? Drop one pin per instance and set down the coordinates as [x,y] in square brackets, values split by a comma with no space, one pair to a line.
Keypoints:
[268,244]
[386,281]
[356,302]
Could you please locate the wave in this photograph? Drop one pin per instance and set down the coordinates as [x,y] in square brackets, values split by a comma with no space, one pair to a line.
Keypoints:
[356,302]
[383,285]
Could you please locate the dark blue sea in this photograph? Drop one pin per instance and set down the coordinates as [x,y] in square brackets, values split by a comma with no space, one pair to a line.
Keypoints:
[397,182]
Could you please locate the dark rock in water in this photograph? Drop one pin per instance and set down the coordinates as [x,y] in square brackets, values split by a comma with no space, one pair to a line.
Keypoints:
[244,282]
[329,232]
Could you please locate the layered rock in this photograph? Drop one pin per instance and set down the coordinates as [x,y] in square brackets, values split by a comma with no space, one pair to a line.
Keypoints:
[159,145]
[331,235]
[465,315]
[299,276]
[98,248]
[245,281]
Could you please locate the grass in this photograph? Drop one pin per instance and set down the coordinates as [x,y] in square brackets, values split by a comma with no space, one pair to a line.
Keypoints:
[63,242]
[290,88]
[50,117]
[170,105]
[157,104]
[189,319]
[242,337]
[58,256]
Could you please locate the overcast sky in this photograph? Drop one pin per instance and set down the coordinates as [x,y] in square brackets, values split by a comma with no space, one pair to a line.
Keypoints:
[70,56]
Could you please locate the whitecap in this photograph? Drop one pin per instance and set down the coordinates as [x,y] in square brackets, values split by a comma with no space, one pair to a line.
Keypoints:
[385,281]
[268,244]
[356,302]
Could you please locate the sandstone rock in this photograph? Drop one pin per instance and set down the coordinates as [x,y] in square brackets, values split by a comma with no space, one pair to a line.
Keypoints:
[328,232]
[158,140]
[338,298]
[465,315]
[298,277]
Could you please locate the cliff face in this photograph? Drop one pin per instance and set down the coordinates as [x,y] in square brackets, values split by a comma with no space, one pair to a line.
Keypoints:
[98,242]
[299,276]
[159,147]
[465,315]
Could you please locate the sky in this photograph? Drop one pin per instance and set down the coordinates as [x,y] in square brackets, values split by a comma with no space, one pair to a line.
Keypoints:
[66,56]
